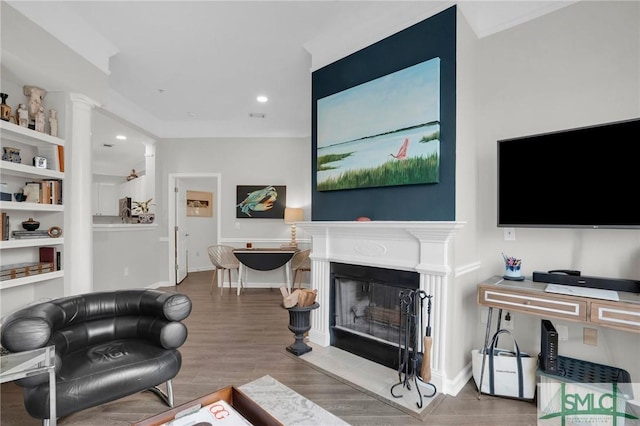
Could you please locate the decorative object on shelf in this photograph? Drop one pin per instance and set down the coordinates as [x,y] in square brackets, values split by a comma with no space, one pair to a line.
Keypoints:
[299,324]
[133,175]
[146,217]
[53,122]
[4,195]
[31,190]
[19,196]
[40,162]
[40,120]
[363,219]
[55,232]
[124,209]
[291,216]
[36,95]
[23,116]
[512,268]
[11,154]
[142,207]
[24,234]
[31,224]
[5,110]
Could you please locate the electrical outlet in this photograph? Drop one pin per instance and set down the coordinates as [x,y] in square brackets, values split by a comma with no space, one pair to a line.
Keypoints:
[237,225]
[126,272]
[563,332]
[509,234]
[507,322]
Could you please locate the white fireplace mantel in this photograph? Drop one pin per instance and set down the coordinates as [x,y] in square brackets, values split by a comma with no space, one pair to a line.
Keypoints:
[419,246]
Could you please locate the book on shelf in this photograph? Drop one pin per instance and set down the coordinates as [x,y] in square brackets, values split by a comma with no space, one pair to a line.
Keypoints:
[49,255]
[26,269]
[61,158]
[5,227]
[48,191]
[38,233]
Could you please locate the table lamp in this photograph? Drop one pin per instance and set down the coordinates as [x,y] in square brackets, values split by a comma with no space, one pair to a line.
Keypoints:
[291,216]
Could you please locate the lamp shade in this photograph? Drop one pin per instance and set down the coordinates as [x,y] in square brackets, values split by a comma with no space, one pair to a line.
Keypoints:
[293,215]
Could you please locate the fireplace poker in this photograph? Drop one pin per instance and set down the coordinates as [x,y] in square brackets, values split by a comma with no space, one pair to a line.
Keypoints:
[406,301]
[420,355]
[425,371]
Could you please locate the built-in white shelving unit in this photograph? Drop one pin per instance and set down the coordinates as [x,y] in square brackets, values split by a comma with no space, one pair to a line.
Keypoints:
[14,176]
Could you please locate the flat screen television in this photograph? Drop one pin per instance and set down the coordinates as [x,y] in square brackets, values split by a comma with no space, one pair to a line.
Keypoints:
[587,177]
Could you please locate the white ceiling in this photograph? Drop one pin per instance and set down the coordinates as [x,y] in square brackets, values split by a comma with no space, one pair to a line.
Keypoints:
[194,68]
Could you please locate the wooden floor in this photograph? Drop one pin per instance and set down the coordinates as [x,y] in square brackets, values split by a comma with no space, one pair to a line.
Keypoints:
[237,339]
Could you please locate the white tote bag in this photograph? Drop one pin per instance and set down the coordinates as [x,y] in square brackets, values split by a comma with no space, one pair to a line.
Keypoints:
[508,373]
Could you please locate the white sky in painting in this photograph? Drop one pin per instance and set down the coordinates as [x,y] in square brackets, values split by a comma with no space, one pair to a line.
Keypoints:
[404,98]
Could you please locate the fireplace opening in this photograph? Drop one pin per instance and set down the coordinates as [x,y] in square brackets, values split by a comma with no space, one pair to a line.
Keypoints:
[365,312]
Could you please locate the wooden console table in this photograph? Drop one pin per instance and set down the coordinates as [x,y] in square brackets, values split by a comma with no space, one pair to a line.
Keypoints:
[529,297]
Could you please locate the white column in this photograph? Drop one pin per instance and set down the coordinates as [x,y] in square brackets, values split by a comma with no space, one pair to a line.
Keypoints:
[321,281]
[78,232]
[150,171]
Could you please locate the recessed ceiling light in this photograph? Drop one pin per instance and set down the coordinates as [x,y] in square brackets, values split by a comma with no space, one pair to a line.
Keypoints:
[121,137]
[262,99]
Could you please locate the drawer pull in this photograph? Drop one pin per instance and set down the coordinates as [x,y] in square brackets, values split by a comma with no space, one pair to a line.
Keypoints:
[527,302]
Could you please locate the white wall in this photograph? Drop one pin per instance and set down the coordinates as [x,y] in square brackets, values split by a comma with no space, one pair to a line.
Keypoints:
[575,67]
[239,161]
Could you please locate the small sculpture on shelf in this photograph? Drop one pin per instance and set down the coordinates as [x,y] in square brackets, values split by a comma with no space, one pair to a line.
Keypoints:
[23,116]
[36,95]
[5,110]
[53,122]
[40,120]
[133,175]
[32,195]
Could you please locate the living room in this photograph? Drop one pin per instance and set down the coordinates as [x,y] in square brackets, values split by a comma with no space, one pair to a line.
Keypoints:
[574,67]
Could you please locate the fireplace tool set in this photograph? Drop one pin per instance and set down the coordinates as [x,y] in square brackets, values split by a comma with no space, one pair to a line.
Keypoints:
[413,364]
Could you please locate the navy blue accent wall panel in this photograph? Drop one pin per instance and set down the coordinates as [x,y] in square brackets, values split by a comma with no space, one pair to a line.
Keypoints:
[433,37]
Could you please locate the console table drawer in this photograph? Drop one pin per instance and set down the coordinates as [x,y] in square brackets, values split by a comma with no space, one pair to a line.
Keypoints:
[556,307]
[624,316]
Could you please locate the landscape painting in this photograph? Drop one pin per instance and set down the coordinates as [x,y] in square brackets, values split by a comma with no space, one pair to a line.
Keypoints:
[384,132]
[261,201]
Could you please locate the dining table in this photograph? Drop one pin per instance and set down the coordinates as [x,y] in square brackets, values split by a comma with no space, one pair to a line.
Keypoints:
[264,259]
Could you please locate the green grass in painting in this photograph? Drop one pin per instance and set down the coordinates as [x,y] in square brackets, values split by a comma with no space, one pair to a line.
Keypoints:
[324,159]
[405,172]
[433,136]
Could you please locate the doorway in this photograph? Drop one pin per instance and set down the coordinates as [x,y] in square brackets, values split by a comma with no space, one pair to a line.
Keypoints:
[189,236]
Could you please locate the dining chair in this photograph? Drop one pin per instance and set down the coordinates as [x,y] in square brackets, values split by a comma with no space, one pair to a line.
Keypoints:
[222,258]
[300,263]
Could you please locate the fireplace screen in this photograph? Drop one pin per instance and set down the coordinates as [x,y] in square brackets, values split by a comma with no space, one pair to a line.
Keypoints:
[368,308]
[365,312]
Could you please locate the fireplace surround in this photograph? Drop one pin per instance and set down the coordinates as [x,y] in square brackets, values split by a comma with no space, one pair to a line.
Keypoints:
[422,247]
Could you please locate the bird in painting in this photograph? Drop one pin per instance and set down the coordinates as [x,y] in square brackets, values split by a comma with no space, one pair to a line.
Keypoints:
[402,152]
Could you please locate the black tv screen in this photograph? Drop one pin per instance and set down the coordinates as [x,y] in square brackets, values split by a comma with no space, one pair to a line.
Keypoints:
[587,177]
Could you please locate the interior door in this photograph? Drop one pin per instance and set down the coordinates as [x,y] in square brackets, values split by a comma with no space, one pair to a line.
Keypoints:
[181,232]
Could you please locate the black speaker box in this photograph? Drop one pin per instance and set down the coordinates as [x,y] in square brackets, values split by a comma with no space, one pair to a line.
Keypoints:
[615,284]
[548,347]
